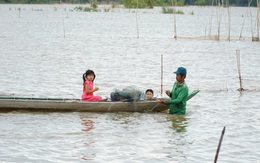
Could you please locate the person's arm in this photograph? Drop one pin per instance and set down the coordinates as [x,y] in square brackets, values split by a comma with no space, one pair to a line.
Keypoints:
[179,98]
[90,91]
[164,101]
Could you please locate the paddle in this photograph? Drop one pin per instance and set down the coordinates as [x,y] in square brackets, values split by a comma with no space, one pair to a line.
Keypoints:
[192,94]
[219,144]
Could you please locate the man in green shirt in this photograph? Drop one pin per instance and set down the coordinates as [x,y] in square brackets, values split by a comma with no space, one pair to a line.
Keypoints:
[178,94]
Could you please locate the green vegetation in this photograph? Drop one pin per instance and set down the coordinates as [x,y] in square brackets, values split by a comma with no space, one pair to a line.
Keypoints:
[83,9]
[94,5]
[93,8]
[201,3]
[174,3]
[167,10]
[138,3]
[106,9]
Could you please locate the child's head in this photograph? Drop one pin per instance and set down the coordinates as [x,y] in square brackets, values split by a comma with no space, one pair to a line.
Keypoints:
[148,94]
[89,75]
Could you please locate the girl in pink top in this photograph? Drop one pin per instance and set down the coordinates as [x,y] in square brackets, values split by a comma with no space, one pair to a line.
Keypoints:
[88,79]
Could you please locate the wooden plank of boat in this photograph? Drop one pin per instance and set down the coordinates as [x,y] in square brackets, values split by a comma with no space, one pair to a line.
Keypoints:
[8,103]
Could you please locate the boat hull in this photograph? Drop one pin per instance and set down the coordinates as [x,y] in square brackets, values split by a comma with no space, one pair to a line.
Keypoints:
[7,105]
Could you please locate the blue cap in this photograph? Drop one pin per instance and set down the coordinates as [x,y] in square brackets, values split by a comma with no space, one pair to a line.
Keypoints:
[181,70]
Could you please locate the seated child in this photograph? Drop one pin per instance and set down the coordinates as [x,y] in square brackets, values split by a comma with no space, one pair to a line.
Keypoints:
[88,87]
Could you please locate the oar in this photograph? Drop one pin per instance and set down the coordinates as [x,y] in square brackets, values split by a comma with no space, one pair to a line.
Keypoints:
[219,144]
[190,95]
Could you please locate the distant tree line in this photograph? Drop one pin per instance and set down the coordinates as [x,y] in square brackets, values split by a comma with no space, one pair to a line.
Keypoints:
[141,3]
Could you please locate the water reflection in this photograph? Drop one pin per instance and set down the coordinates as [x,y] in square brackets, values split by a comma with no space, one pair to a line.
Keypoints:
[178,145]
[88,124]
[179,123]
[88,141]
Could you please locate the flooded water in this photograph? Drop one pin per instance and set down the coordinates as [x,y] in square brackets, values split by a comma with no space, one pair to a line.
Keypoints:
[45,49]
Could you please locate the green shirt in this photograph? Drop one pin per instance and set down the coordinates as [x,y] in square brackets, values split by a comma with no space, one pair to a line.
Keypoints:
[178,100]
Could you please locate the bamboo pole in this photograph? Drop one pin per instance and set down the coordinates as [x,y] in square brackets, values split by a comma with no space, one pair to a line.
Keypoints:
[137,31]
[219,144]
[63,23]
[256,38]
[240,36]
[248,9]
[210,20]
[219,15]
[19,9]
[258,19]
[174,20]
[239,71]
[228,10]
[63,26]
[251,18]
[161,75]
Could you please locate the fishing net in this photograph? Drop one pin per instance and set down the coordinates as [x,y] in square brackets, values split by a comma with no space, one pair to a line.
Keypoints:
[127,95]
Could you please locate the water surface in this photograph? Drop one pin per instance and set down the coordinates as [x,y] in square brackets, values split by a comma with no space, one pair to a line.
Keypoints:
[37,60]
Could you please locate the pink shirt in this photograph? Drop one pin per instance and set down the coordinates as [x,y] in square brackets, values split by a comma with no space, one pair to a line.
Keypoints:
[89,96]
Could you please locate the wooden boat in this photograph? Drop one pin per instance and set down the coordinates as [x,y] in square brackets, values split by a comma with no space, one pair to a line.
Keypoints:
[9,103]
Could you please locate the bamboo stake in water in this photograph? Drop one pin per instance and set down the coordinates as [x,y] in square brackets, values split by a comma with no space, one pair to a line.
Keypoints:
[228,10]
[63,26]
[248,9]
[174,19]
[249,3]
[137,20]
[210,20]
[19,9]
[258,19]
[238,68]
[219,144]
[219,15]
[161,75]
[63,23]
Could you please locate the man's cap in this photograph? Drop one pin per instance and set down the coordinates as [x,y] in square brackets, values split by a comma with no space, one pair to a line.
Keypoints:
[181,70]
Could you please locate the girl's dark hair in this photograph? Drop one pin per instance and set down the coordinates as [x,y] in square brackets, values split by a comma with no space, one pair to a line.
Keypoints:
[149,90]
[88,72]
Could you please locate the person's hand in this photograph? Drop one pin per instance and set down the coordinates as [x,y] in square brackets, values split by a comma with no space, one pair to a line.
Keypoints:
[160,101]
[96,88]
[168,92]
